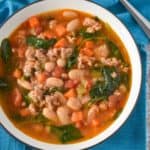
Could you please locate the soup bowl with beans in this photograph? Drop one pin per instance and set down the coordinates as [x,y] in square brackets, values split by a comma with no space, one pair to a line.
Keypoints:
[70,74]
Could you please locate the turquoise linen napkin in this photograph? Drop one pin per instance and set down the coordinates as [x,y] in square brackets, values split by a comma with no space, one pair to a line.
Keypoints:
[132,135]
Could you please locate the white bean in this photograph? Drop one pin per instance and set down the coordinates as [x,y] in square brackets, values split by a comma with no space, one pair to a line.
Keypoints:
[49,66]
[73,25]
[61,62]
[24,84]
[63,114]
[102,51]
[92,113]
[77,74]
[50,114]
[54,82]
[69,14]
[74,103]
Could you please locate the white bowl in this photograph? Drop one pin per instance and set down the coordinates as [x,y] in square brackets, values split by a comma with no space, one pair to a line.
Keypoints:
[122,32]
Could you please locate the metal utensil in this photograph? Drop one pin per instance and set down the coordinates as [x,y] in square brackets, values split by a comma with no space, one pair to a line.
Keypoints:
[141,20]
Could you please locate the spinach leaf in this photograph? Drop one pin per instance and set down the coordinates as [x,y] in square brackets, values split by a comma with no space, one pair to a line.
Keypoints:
[4,85]
[89,36]
[114,50]
[30,119]
[27,99]
[6,51]
[66,133]
[40,43]
[102,89]
[72,60]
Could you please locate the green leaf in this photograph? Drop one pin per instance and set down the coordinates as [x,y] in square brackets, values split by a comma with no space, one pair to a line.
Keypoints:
[102,89]
[30,119]
[72,60]
[6,51]
[40,43]
[66,133]
[114,50]
[4,85]
[27,99]
[89,36]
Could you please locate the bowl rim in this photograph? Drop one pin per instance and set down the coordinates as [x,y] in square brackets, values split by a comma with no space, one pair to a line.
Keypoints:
[140,62]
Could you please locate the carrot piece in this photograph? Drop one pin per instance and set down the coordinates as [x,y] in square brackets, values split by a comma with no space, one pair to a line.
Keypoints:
[79,124]
[41,77]
[70,93]
[24,112]
[21,52]
[61,43]
[95,122]
[34,22]
[77,116]
[60,30]
[17,73]
[57,72]
[89,44]
[16,97]
[87,52]
[48,34]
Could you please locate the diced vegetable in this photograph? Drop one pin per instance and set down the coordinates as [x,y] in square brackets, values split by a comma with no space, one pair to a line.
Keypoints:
[61,43]
[34,22]
[17,73]
[77,116]
[81,90]
[70,93]
[60,30]
[66,133]
[24,112]
[40,43]
[6,51]
[72,60]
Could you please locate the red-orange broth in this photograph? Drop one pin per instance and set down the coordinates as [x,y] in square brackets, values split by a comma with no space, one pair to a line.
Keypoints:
[66,72]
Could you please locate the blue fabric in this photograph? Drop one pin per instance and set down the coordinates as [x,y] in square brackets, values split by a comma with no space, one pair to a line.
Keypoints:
[132,135]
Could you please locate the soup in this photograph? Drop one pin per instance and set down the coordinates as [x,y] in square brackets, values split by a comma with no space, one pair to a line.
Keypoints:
[63,72]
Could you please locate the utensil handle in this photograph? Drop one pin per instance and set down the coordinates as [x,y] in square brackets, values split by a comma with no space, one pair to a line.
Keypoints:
[143,22]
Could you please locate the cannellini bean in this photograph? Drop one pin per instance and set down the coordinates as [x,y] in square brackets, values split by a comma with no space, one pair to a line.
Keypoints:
[74,103]
[63,114]
[24,84]
[61,62]
[77,74]
[103,106]
[50,114]
[73,25]
[88,21]
[92,113]
[101,51]
[29,54]
[49,66]
[32,109]
[54,82]
[69,14]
